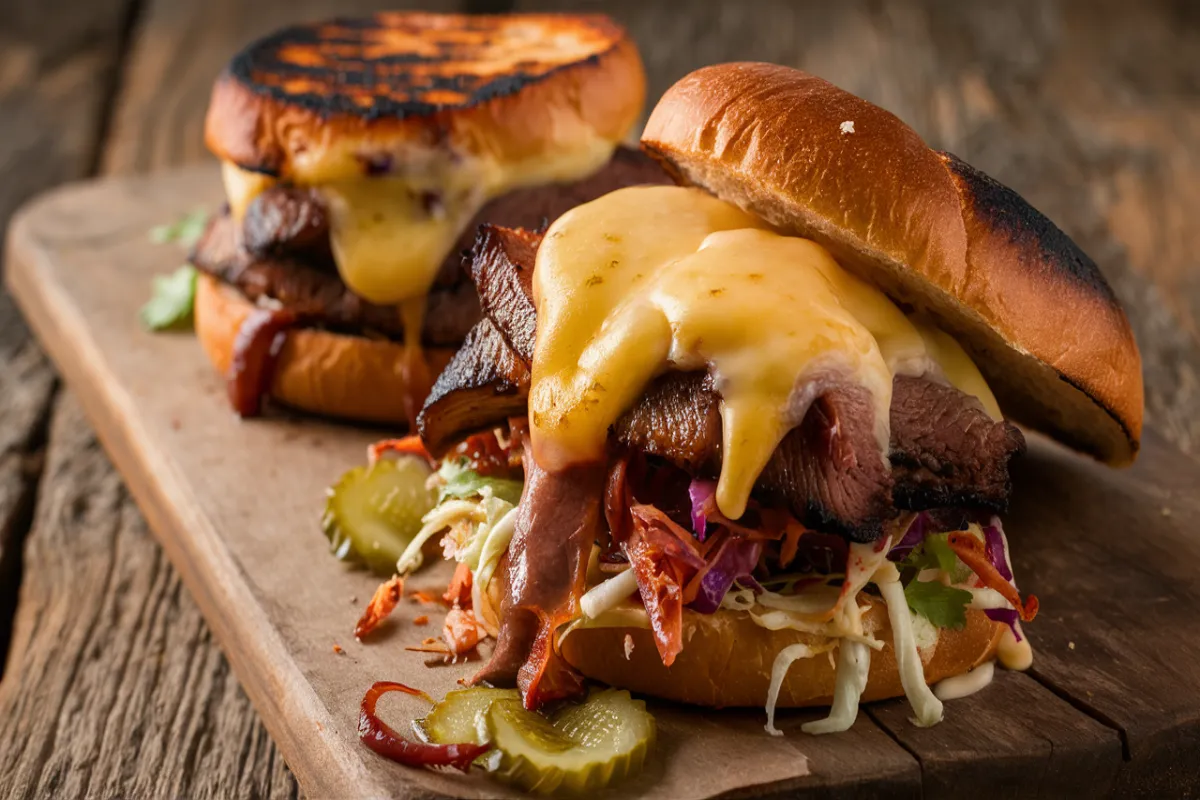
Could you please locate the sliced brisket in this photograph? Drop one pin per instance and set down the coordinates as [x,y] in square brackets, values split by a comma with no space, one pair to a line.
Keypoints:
[484,383]
[501,266]
[283,252]
[830,471]
[318,294]
[679,419]
[288,221]
[559,518]
[945,450]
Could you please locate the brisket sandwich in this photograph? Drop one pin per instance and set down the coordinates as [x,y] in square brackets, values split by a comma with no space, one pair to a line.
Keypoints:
[760,416]
[358,158]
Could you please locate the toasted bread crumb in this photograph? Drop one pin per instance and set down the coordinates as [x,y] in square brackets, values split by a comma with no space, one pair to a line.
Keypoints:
[337,648]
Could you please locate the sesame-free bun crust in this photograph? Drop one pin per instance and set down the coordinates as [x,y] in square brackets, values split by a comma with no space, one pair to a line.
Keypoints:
[726,660]
[1033,310]
[315,102]
[331,374]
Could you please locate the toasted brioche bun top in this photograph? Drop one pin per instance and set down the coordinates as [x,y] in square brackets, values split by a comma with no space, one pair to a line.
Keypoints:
[332,100]
[1033,310]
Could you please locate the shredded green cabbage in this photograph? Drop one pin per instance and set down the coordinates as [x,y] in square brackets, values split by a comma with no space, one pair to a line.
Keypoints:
[926,707]
[462,483]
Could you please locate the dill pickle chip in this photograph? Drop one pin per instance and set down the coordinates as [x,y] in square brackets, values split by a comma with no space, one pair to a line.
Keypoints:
[372,513]
[580,748]
[454,718]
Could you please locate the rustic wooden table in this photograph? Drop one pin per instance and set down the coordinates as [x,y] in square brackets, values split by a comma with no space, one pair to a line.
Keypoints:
[113,685]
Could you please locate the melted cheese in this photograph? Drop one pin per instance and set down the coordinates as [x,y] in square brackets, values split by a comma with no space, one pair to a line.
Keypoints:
[957,367]
[648,279]
[1013,654]
[242,186]
[390,234]
[958,686]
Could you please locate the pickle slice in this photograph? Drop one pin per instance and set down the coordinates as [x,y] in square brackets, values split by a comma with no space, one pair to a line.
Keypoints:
[580,748]
[455,718]
[372,513]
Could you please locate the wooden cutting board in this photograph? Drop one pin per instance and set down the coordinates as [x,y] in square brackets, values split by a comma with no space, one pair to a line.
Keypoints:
[1112,704]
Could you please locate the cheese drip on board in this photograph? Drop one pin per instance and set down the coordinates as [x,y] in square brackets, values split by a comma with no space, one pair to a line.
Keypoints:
[650,279]
[390,233]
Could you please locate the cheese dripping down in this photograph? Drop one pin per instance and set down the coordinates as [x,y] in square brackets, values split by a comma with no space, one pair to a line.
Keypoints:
[650,279]
[391,232]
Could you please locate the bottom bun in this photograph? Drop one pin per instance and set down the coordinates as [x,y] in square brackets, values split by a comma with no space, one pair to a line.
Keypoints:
[727,659]
[321,372]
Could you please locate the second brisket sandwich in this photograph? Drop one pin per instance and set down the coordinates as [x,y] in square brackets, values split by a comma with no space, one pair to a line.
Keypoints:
[359,156]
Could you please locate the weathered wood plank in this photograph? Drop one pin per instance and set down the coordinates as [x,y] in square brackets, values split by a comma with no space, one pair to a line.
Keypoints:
[26,383]
[54,80]
[115,688]
[1004,741]
[1128,656]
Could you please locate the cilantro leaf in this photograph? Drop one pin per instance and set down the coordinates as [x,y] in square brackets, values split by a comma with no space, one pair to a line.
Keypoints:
[170,304]
[938,546]
[933,553]
[468,483]
[944,606]
[186,230]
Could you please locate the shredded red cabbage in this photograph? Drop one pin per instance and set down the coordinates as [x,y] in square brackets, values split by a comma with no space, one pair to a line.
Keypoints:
[751,583]
[735,560]
[700,491]
[917,530]
[1007,616]
[993,536]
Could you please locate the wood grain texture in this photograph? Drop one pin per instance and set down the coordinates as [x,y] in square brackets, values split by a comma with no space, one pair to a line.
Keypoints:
[26,384]
[1130,656]
[54,85]
[115,687]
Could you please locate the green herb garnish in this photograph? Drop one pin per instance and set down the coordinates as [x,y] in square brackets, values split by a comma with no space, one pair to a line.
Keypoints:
[171,301]
[942,605]
[186,230]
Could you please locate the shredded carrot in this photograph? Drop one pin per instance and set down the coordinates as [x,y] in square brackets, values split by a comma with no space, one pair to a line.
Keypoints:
[972,552]
[337,648]
[425,598]
[791,542]
[421,620]
[409,446]
[382,603]
[458,593]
